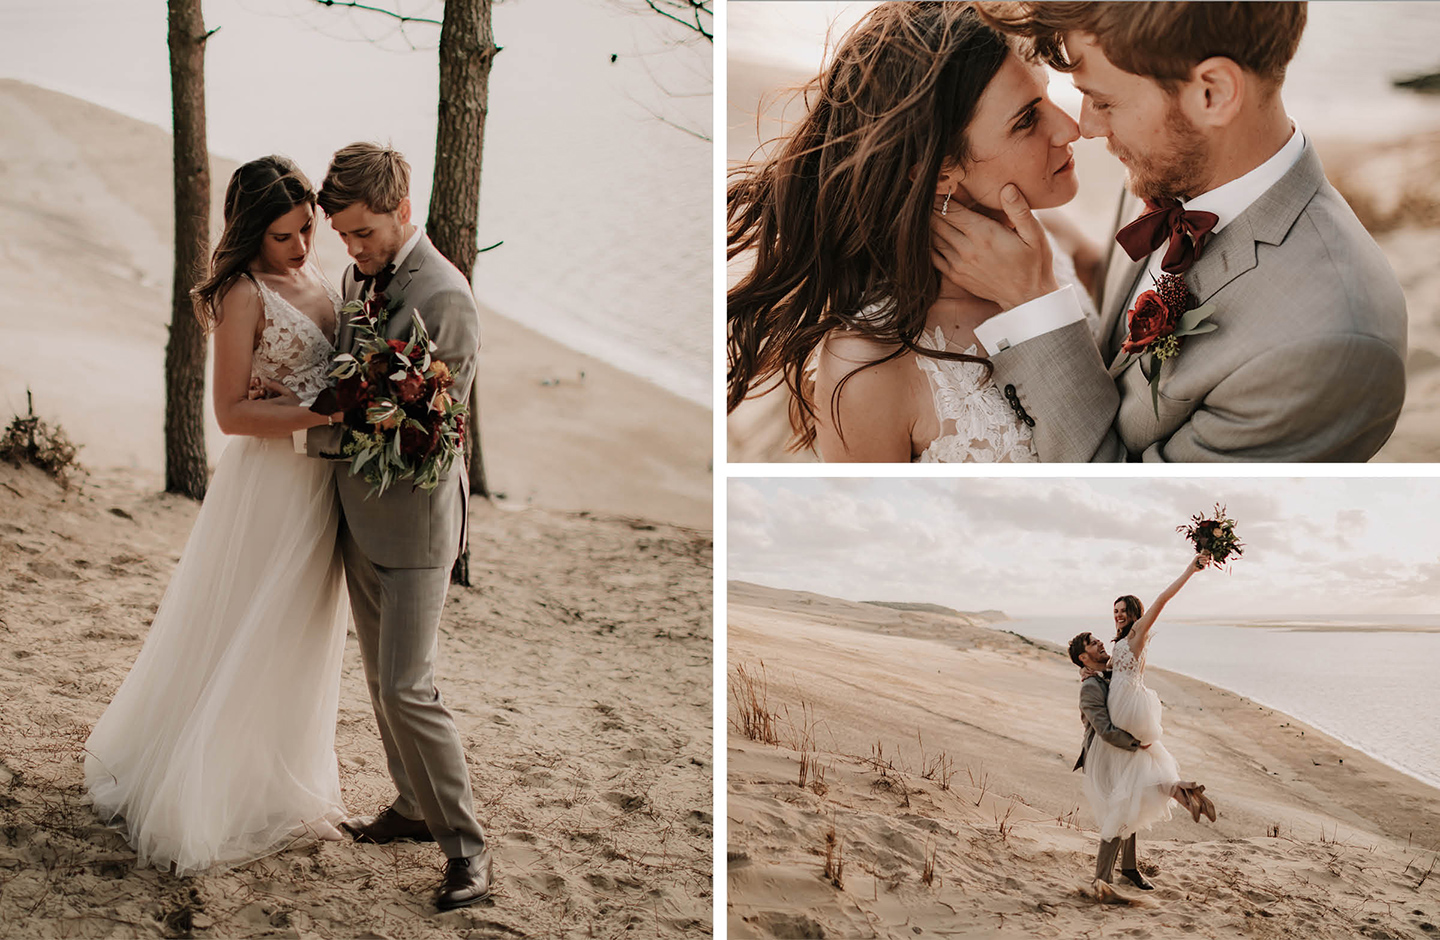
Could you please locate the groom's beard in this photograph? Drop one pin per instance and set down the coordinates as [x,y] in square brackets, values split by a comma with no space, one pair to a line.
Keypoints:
[1174,172]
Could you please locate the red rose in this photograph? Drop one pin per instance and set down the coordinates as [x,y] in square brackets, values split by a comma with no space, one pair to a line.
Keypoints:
[398,345]
[1149,320]
[377,366]
[416,440]
[352,391]
[410,388]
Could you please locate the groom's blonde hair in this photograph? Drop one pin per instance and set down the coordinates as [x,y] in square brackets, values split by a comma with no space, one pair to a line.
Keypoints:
[1160,41]
[369,173]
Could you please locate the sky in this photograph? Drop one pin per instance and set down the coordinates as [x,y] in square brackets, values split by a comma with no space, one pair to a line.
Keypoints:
[1038,546]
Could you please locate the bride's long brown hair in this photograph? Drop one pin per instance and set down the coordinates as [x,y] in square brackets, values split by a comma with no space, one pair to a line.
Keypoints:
[259,192]
[839,219]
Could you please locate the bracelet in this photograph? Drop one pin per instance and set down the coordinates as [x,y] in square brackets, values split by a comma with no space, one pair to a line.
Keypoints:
[330,421]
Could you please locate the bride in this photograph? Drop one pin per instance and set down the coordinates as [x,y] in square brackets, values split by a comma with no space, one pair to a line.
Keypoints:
[218,747]
[923,109]
[1130,790]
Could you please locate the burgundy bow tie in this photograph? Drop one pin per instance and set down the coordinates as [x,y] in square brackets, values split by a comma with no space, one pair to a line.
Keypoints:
[380,278]
[1185,230]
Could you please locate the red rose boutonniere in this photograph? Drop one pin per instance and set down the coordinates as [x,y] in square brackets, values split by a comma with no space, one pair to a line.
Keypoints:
[1157,323]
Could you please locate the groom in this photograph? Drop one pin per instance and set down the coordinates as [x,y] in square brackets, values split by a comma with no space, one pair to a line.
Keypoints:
[1306,359]
[1090,655]
[398,548]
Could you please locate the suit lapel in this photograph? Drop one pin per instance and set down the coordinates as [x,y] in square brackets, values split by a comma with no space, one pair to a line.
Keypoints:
[1121,275]
[400,321]
[349,290]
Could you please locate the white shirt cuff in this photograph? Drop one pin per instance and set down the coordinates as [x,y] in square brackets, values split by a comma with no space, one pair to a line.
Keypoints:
[1029,320]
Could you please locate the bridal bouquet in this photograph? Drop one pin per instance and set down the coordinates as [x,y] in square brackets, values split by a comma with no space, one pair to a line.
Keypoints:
[402,423]
[1215,537]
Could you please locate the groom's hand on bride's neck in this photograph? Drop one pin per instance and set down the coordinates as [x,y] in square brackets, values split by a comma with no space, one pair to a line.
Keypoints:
[1009,264]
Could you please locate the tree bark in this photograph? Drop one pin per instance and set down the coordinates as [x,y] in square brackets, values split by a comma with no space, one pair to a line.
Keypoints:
[186,471]
[467,50]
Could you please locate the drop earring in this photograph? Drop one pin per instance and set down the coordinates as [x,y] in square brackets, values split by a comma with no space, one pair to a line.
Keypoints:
[945,206]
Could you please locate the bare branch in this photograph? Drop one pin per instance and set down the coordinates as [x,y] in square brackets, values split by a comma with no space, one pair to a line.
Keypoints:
[352,4]
[697,9]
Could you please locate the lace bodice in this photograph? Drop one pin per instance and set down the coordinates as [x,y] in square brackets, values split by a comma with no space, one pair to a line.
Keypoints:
[293,350]
[977,424]
[1126,664]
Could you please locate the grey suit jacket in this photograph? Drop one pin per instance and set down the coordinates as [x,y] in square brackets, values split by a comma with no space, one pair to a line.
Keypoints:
[407,527]
[1095,713]
[1307,363]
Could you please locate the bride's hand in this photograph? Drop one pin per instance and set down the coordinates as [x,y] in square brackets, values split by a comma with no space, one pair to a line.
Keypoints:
[274,391]
[1202,561]
[989,259]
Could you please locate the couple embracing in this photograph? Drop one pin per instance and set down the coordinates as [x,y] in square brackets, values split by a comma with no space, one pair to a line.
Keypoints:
[219,747]
[905,293]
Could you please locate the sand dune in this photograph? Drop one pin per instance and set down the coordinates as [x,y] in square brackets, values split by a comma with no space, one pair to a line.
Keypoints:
[936,743]
[578,668]
[85,252]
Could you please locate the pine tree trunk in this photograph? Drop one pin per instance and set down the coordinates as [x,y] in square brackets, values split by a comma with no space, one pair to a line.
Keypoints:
[186,471]
[467,50]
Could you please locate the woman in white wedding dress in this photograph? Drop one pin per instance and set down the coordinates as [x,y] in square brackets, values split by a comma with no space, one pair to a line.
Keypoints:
[219,746]
[922,107]
[1131,790]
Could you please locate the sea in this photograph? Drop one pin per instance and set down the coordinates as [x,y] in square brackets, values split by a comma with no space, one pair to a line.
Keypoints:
[1367,681]
[597,171]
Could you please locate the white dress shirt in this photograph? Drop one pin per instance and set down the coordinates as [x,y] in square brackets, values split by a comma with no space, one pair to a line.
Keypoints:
[1062,307]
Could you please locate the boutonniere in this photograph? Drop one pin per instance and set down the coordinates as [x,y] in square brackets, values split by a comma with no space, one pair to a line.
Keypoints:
[1157,323]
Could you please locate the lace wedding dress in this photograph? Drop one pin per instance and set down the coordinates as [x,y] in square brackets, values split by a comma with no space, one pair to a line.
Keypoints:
[1130,790]
[977,424]
[219,747]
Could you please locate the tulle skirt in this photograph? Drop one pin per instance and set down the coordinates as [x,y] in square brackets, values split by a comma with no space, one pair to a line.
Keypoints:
[1129,791]
[219,747]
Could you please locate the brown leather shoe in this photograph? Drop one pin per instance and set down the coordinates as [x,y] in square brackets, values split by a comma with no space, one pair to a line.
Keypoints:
[467,881]
[387,827]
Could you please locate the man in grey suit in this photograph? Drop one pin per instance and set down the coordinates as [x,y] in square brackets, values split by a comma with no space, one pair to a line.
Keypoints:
[1306,358]
[1090,655]
[398,547]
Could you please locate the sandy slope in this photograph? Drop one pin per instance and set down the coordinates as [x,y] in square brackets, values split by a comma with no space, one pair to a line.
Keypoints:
[935,738]
[85,256]
[578,668]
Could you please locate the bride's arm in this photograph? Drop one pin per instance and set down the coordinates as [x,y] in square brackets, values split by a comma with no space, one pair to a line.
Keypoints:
[1140,632]
[875,409]
[235,337]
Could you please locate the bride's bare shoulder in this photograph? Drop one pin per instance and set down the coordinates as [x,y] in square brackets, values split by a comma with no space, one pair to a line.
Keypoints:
[843,350]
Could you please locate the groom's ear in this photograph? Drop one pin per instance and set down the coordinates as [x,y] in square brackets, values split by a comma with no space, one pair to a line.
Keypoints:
[1216,92]
[403,210]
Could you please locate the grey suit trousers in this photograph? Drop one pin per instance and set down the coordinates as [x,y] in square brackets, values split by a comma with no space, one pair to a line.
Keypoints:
[1105,861]
[397,620]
